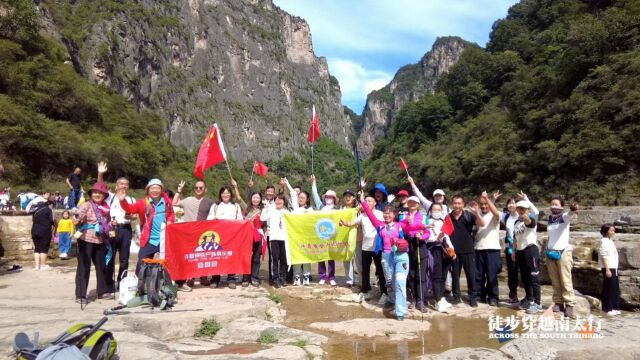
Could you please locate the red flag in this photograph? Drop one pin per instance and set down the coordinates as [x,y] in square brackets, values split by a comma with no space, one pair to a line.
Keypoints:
[403,164]
[447,227]
[314,130]
[211,152]
[260,168]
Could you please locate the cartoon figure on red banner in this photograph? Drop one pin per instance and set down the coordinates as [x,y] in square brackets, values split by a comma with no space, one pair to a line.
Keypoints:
[209,240]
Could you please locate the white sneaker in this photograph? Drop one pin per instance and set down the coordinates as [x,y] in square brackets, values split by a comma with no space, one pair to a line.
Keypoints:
[46,267]
[441,308]
[612,313]
[296,281]
[383,299]
[618,312]
[365,296]
[322,282]
[306,281]
[63,256]
[445,303]
[332,282]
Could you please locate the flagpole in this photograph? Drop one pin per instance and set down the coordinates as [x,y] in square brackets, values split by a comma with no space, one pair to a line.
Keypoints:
[228,168]
[312,147]
[355,147]
[252,171]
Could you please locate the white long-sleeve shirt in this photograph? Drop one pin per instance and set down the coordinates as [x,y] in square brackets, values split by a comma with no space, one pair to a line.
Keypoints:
[558,230]
[426,203]
[275,222]
[225,211]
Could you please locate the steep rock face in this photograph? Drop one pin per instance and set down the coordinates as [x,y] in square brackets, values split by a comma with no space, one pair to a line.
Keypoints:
[409,83]
[249,66]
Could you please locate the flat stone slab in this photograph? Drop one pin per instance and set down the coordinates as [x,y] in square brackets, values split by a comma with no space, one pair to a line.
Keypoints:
[249,329]
[397,330]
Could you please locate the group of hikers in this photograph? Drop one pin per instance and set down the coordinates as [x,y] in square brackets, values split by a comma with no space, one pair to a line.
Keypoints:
[414,242]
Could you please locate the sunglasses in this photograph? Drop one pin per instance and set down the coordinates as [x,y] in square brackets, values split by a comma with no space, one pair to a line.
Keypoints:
[198,187]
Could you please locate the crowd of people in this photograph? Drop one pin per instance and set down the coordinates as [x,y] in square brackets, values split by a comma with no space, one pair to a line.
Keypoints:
[414,242]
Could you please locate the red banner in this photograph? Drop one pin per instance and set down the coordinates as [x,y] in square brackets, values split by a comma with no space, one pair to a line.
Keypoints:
[212,247]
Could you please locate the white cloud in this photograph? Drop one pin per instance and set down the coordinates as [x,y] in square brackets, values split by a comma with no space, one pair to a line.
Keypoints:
[356,81]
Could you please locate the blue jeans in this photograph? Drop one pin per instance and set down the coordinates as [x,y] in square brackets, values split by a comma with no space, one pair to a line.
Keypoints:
[396,269]
[74,197]
[64,242]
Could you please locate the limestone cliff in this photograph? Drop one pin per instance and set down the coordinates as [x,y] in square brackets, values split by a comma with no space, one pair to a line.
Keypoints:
[409,83]
[247,65]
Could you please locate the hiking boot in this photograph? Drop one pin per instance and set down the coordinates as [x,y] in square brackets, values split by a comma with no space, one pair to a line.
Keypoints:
[232,285]
[245,283]
[473,303]
[513,300]
[493,302]
[191,283]
[307,281]
[558,308]
[568,312]
[524,304]
[456,300]
[255,283]
[184,287]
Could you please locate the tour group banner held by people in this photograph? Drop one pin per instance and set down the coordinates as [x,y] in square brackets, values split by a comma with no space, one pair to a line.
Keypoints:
[318,236]
[212,247]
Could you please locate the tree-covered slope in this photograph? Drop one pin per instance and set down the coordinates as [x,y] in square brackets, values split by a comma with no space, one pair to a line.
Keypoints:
[551,106]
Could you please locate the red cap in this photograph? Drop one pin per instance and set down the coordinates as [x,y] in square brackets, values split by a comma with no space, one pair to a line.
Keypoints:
[403,193]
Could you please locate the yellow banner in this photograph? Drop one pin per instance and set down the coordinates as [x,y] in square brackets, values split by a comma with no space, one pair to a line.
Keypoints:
[318,236]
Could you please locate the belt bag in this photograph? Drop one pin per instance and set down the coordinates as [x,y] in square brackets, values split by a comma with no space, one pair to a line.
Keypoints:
[553,254]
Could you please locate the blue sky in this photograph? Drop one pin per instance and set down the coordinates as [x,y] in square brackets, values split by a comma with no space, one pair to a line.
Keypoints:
[367,41]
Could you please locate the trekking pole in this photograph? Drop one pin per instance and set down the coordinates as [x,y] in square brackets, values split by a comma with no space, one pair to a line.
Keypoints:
[420,280]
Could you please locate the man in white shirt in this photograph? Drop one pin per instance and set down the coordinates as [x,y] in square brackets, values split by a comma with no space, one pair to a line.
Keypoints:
[487,248]
[121,234]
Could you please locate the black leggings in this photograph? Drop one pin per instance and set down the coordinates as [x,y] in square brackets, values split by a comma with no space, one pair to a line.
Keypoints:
[278,260]
[441,266]
[256,253]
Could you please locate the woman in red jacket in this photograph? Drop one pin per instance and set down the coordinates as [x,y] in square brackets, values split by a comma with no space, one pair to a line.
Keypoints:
[155,212]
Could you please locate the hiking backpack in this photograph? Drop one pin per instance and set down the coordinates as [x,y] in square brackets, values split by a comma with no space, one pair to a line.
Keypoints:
[155,286]
[80,341]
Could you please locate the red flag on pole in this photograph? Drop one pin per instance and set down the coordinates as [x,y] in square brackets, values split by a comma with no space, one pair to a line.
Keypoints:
[211,152]
[314,130]
[447,227]
[260,168]
[403,164]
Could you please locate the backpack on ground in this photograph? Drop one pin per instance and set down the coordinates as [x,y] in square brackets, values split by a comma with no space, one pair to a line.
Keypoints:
[155,286]
[80,341]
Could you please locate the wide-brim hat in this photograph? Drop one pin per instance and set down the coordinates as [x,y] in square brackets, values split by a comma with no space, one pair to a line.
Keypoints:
[101,187]
[330,193]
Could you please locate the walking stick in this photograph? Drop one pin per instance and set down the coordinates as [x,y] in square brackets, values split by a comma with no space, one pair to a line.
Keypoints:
[420,280]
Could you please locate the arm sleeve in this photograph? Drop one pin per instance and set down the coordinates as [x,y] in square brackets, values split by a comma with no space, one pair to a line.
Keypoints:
[376,223]
[316,198]
[426,203]
[534,209]
[568,216]
[603,250]
[533,223]
[264,214]
[82,214]
[294,201]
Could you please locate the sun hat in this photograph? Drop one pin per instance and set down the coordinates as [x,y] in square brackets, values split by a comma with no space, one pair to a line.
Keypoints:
[330,193]
[438,192]
[523,204]
[414,199]
[403,193]
[101,187]
[154,182]
[380,187]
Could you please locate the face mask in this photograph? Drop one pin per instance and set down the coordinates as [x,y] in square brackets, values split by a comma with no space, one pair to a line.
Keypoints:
[556,210]
[436,215]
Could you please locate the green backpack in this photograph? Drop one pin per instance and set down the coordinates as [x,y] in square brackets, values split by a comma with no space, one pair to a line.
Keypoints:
[93,343]
[155,287]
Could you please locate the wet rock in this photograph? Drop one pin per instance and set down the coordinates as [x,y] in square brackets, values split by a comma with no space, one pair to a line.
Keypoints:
[246,330]
[400,330]
[284,352]
[465,353]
